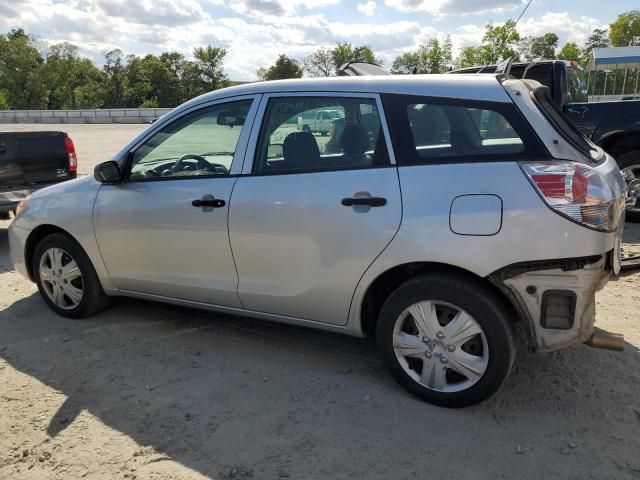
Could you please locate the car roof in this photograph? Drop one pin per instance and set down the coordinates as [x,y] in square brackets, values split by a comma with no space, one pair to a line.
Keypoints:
[471,87]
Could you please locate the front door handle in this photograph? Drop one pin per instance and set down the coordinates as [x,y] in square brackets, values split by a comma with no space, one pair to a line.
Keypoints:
[366,201]
[209,201]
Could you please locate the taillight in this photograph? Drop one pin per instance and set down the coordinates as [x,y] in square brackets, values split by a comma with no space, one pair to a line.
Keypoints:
[71,154]
[576,191]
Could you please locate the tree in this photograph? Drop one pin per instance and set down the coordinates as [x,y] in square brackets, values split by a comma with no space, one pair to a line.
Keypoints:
[469,57]
[71,78]
[499,42]
[284,67]
[571,51]
[21,71]
[327,61]
[209,62]
[345,52]
[598,39]
[319,63]
[430,57]
[625,28]
[544,46]
[114,72]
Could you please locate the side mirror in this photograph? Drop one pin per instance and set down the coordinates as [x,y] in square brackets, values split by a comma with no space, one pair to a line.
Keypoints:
[108,172]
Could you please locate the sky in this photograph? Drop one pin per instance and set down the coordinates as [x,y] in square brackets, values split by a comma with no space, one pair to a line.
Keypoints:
[254,32]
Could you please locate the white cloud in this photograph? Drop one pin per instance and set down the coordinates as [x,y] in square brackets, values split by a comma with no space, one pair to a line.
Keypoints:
[255,36]
[569,29]
[368,8]
[457,7]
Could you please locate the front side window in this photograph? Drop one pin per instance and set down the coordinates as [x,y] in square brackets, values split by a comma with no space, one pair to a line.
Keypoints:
[202,143]
[427,130]
[350,135]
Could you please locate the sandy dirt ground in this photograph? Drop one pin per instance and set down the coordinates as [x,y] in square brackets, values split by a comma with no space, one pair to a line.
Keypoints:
[148,391]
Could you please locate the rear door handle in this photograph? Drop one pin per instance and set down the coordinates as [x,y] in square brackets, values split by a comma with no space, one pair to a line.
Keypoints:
[209,202]
[366,201]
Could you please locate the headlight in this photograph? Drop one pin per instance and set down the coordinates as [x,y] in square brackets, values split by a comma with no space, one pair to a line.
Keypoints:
[22,206]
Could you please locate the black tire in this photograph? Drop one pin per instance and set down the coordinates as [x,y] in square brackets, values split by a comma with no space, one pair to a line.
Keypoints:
[479,301]
[627,160]
[93,299]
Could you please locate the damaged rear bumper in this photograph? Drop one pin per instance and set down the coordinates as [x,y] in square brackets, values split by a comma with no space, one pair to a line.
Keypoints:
[556,298]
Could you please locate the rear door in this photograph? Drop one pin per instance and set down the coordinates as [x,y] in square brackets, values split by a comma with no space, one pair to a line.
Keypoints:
[33,157]
[305,222]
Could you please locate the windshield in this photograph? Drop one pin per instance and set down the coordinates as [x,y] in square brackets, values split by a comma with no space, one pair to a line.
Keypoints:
[562,124]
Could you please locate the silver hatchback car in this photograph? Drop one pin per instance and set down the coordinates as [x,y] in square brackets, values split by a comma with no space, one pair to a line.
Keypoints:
[446,209]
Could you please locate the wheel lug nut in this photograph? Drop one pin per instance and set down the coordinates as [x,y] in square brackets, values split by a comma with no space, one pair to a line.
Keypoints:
[444,360]
[60,271]
[427,354]
[425,339]
[451,348]
[440,335]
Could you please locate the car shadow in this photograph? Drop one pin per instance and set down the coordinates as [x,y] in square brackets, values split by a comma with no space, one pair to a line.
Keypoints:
[227,394]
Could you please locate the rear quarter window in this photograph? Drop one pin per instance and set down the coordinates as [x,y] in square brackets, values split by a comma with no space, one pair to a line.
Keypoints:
[430,130]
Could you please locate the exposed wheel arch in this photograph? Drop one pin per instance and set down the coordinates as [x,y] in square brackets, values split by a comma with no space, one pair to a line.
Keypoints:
[390,280]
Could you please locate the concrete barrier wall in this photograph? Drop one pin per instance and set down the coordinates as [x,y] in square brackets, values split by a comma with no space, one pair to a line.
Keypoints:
[111,115]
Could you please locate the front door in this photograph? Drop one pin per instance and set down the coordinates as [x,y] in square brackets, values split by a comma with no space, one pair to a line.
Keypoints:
[308,220]
[164,230]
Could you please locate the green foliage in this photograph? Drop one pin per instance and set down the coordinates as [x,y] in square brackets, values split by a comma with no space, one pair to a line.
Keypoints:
[571,51]
[319,63]
[60,78]
[21,71]
[544,46]
[67,75]
[599,38]
[625,28]
[284,67]
[4,101]
[325,62]
[499,42]
[469,57]
[430,57]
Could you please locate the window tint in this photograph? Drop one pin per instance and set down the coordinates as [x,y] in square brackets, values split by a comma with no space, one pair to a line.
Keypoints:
[202,143]
[320,133]
[432,130]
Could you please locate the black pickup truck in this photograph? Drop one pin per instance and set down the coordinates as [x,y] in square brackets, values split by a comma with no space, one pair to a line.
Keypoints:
[30,161]
[614,126]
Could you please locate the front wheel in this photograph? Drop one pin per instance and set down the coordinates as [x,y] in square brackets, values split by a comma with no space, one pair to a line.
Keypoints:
[446,339]
[66,278]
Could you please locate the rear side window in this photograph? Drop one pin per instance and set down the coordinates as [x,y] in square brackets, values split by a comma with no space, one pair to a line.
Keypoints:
[348,137]
[428,130]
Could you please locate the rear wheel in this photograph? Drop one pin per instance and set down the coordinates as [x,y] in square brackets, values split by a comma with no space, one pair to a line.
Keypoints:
[446,339]
[629,163]
[66,278]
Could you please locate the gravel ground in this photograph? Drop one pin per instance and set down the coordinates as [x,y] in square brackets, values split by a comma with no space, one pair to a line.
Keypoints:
[149,391]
